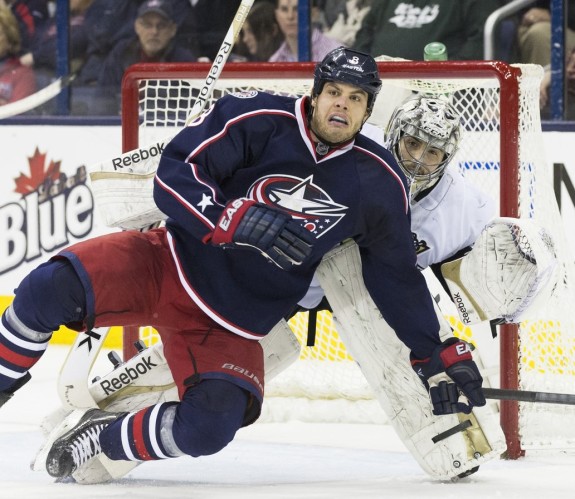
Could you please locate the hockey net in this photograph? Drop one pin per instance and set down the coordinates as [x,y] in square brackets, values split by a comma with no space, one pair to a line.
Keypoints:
[502,152]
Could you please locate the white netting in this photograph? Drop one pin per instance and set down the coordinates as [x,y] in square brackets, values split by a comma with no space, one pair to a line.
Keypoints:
[547,351]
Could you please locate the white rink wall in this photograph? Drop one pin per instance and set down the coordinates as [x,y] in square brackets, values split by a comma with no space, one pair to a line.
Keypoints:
[46,201]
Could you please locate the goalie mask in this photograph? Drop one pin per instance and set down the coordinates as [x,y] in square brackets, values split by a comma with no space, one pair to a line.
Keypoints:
[423,134]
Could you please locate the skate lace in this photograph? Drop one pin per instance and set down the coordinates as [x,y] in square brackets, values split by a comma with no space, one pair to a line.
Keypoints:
[87,445]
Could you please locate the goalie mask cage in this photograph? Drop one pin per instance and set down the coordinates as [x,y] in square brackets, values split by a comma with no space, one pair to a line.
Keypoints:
[501,151]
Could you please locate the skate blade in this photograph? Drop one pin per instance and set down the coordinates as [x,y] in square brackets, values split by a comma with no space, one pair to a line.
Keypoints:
[53,419]
[101,469]
[39,462]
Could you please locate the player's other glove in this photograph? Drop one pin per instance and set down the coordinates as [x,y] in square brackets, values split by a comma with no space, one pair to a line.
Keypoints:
[452,357]
[272,232]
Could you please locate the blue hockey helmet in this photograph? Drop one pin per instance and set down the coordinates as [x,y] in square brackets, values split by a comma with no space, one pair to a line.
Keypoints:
[348,66]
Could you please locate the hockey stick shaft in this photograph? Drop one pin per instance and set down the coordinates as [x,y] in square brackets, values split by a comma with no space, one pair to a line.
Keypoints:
[220,59]
[73,379]
[36,99]
[204,94]
[112,174]
[529,396]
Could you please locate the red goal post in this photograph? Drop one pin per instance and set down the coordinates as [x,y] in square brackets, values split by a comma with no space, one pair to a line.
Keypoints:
[501,151]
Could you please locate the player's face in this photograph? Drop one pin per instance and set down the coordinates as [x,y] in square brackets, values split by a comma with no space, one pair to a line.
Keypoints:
[155,33]
[419,157]
[339,111]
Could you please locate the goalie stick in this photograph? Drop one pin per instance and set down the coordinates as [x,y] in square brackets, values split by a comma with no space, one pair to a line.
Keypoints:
[529,396]
[513,395]
[72,386]
[110,179]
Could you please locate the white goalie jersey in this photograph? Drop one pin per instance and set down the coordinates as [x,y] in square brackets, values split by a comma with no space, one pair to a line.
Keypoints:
[449,218]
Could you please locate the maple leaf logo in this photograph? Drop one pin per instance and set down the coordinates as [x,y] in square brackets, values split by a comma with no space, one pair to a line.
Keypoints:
[38,174]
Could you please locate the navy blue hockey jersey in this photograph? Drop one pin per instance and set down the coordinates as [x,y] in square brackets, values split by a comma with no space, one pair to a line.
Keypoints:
[259,146]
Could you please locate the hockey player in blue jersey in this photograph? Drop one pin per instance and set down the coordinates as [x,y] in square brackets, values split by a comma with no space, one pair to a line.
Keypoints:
[257,190]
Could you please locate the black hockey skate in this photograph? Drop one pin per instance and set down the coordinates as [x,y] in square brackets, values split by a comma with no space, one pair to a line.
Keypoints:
[80,444]
[5,396]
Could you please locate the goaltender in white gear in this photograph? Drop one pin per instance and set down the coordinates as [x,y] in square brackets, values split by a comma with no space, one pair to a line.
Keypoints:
[511,263]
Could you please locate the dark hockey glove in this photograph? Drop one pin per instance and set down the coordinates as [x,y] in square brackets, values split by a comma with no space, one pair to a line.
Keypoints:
[272,232]
[452,357]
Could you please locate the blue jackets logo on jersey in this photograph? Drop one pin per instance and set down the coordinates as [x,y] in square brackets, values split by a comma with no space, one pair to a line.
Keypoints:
[245,94]
[302,199]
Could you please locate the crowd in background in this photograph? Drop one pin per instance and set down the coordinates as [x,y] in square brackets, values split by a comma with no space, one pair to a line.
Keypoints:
[107,36]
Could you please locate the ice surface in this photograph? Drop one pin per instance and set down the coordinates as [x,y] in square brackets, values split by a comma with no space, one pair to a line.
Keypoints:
[269,460]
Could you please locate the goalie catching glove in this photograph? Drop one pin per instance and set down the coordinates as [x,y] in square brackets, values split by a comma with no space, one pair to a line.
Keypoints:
[281,239]
[452,357]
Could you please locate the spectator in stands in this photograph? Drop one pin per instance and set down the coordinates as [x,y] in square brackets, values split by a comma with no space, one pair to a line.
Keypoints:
[261,33]
[42,57]
[287,17]
[204,25]
[32,17]
[155,28]
[570,88]
[16,81]
[400,29]
[534,42]
[349,19]
[330,9]
[534,33]
[107,23]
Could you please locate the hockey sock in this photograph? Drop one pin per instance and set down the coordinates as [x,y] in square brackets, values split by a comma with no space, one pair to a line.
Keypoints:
[51,295]
[203,423]
[20,349]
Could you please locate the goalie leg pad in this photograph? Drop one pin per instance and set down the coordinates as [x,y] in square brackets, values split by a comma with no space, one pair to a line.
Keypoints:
[281,349]
[383,359]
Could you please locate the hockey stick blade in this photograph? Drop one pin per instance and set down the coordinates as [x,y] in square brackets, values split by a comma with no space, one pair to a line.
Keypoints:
[529,396]
[73,388]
